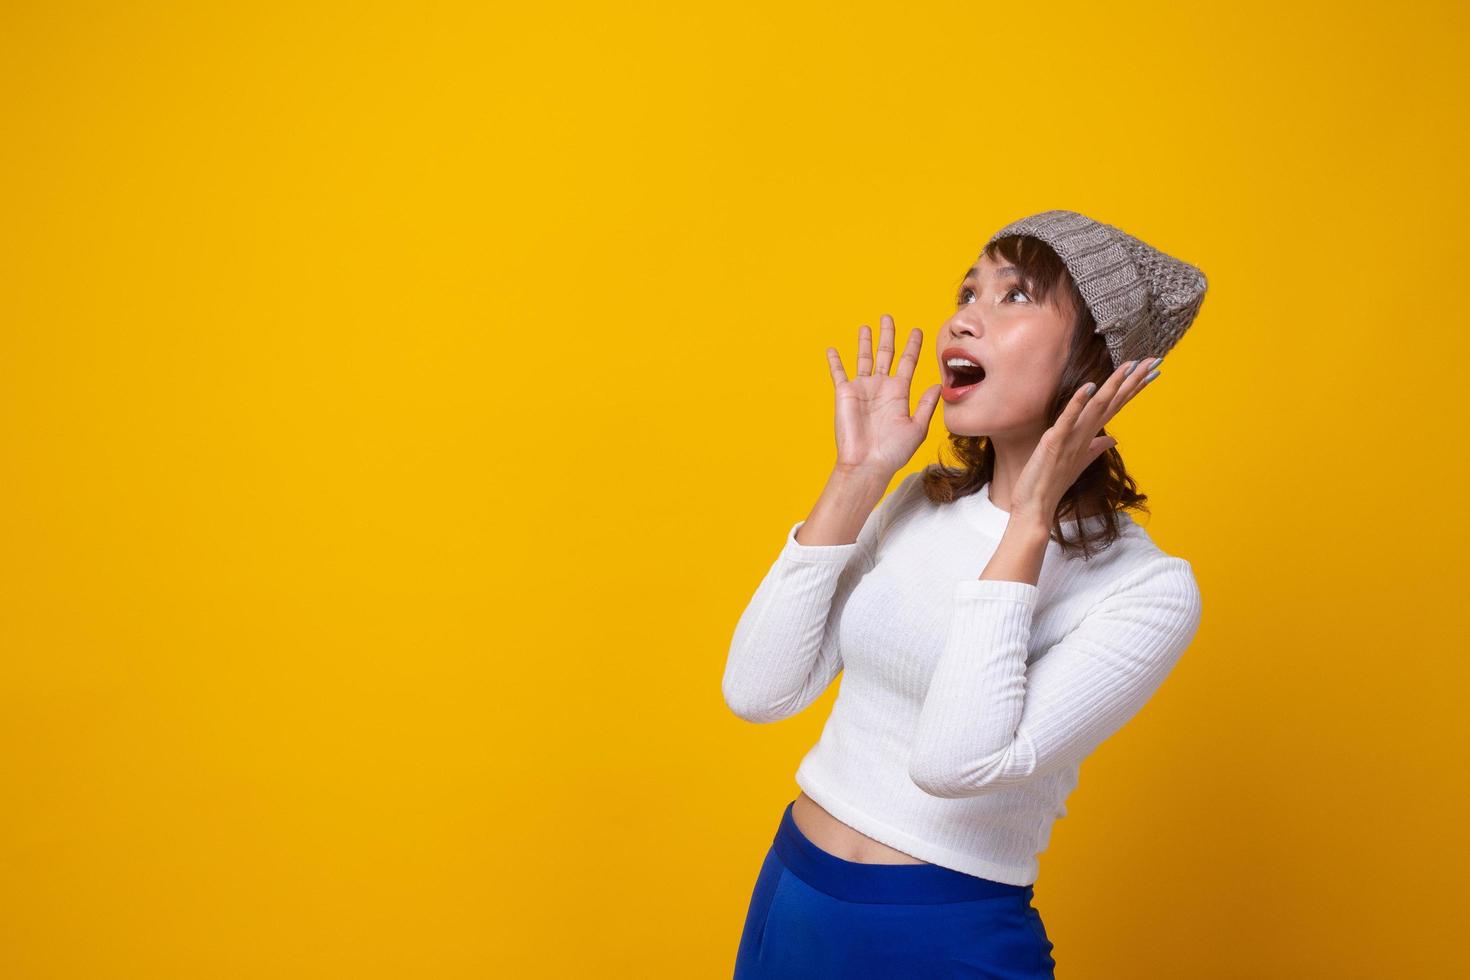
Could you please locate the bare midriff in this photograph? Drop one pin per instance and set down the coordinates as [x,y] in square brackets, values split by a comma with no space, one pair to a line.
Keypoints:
[840,840]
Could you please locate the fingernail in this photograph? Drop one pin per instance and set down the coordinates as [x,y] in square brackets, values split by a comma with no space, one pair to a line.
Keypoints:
[1157,361]
[1131,366]
[1089,389]
[1150,376]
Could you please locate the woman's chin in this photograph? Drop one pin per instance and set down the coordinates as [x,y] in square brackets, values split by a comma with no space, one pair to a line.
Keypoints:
[966,427]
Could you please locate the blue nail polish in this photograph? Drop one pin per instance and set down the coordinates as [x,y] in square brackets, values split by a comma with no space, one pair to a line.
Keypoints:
[1150,376]
[1089,388]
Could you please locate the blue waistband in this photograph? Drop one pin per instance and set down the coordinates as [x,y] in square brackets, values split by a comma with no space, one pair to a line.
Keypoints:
[889,884]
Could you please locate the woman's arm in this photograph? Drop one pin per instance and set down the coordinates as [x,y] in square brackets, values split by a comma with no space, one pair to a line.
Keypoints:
[843,508]
[989,721]
[784,652]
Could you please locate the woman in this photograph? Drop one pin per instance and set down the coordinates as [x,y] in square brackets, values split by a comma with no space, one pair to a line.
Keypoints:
[994,623]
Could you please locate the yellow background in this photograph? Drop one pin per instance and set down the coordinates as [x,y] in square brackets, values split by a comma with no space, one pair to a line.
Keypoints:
[399,403]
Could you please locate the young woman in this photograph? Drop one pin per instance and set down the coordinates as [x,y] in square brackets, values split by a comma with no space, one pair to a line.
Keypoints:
[994,622]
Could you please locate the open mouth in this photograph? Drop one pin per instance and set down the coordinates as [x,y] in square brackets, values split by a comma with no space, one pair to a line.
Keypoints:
[960,378]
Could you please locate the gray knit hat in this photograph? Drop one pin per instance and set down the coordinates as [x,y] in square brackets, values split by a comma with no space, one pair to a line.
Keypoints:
[1142,299]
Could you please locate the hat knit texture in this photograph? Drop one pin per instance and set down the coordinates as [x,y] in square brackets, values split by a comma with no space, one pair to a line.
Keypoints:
[1142,299]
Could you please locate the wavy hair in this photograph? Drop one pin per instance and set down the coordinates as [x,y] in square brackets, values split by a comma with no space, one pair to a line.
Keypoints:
[1105,488]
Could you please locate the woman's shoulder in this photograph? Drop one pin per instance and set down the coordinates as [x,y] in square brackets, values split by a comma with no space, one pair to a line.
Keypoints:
[1135,561]
[1146,572]
[1142,544]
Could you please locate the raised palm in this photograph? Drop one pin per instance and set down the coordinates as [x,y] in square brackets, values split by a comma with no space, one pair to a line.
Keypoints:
[874,428]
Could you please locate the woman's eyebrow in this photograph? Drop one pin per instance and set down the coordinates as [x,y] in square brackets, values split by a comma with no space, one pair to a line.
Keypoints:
[1005,270]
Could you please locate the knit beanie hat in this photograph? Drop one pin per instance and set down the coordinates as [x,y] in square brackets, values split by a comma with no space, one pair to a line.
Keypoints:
[1142,299]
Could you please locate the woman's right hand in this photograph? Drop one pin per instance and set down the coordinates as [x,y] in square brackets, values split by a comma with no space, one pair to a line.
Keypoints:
[875,432]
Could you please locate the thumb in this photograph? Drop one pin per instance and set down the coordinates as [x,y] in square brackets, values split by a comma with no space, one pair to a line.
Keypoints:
[1101,445]
[924,411]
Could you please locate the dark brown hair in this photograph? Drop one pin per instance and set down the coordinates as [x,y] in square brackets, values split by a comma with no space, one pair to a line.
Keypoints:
[1105,487]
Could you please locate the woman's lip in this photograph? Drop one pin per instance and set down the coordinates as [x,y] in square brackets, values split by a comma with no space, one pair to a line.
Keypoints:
[950,394]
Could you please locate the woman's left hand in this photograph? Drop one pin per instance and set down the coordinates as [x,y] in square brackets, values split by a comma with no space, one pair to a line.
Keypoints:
[1069,446]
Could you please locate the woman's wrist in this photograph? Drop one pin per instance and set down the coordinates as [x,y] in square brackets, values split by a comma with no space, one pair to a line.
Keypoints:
[843,507]
[857,488]
[1019,555]
[863,471]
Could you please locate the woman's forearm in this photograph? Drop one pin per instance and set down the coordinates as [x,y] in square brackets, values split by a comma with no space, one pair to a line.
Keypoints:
[845,503]
[1019,555]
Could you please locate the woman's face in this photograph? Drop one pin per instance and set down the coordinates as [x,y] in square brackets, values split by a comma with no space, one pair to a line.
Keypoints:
[1020,343]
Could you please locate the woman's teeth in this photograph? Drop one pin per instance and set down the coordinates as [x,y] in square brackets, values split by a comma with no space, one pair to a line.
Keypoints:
[964,372]
[960,385]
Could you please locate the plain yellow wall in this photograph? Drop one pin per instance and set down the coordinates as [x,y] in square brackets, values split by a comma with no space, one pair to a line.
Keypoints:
[399,403]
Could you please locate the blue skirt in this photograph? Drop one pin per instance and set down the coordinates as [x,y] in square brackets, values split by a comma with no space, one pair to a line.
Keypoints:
[814,915]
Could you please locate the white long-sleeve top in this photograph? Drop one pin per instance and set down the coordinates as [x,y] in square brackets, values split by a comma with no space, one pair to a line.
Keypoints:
[966,705]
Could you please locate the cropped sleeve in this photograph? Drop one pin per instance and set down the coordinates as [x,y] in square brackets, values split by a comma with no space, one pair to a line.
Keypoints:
[988,720]
[784,651]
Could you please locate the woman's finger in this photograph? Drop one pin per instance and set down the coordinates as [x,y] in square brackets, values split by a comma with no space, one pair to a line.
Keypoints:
[910,359]
[1088,411]
[865,352]
[1134,380]
[1060,435]
[834,364]
[1104,403]
[1100,445]
[884,360]
[1125,382]
[924,411]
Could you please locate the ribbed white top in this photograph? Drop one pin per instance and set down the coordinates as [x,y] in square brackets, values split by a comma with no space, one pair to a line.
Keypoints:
[966,706]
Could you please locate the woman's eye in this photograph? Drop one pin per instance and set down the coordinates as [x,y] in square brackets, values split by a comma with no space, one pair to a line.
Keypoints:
[967,291]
